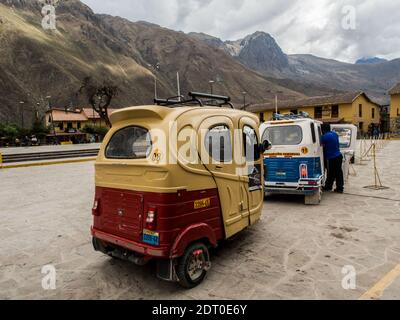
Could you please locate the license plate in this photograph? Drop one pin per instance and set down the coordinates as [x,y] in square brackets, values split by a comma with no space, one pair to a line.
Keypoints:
[151,237]
[203,203]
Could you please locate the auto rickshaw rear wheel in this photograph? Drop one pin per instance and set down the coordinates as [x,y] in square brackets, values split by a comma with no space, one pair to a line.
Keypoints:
[193,265]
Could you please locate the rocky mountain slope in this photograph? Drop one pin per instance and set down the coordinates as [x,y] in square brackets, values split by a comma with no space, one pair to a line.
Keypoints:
[36,63]
[261,53]
[372,60]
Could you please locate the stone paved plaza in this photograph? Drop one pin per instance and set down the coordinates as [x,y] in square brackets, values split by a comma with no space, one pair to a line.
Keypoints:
[295,252]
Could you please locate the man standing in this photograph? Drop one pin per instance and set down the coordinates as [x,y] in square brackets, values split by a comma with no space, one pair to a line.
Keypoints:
[333,158]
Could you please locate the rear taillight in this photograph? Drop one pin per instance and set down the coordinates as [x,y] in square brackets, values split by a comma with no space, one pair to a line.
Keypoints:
[303,171]
[95,209]
[151,219]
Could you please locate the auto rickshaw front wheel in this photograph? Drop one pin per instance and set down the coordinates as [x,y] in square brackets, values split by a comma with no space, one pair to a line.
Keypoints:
[193,265]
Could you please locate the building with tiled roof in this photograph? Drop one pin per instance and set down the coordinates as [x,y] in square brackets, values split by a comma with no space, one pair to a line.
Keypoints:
[68,124]
[395,108]
[353,107]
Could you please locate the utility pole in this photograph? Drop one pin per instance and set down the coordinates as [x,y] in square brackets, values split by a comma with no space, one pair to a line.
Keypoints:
[155,69]
[155,87]
[178,86]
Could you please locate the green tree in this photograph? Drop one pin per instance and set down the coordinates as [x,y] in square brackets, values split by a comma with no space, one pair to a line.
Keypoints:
[101,131]
[94,130]
[38,128]
[11,131]
[89,129]
[2,132]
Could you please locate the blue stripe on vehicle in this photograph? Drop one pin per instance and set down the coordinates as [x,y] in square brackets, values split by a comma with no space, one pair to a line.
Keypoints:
[287,169]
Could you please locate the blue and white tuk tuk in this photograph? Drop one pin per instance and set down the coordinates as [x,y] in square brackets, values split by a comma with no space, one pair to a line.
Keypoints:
[295,163]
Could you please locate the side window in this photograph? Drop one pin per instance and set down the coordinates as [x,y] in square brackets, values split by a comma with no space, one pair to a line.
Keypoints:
[251,145]
[320,134]
[218,143]
[313,134]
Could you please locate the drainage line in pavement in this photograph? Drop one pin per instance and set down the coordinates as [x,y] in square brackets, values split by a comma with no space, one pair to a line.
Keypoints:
[374,197]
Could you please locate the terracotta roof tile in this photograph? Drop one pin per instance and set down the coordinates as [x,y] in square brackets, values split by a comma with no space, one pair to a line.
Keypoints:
[91,114]
[62,115]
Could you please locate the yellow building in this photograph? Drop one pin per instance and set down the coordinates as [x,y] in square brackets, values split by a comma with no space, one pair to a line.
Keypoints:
[67,125]
[356,108]
[395,108]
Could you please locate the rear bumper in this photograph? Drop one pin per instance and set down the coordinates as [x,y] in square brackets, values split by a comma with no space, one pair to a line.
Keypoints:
[302,187]
[140,248]
[307,191]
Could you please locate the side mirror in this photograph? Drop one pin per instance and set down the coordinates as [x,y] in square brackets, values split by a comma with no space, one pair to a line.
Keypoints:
[265,145]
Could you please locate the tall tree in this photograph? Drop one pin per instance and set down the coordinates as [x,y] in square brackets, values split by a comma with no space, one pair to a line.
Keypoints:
[99,96]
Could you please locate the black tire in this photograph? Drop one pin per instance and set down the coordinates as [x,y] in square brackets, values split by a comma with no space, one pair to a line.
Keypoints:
[182,271]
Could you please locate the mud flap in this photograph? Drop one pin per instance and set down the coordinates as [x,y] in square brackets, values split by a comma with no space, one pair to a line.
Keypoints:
[166,270]
[313,199]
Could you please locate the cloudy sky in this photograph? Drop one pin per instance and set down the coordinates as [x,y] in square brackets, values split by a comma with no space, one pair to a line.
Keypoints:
[343,29]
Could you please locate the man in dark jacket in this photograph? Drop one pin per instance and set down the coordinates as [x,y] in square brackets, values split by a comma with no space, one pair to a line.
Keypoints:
[334,159]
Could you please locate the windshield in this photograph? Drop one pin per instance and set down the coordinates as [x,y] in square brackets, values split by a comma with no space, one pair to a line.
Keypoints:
[129,143]
[284,135]
[344,137]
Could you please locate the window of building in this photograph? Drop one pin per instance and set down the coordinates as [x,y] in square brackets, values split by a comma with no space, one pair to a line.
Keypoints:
[373,113]
[218,143]
[335,111]
[361,126]
[318,113]
[294,111]
[79,125]
[262,119]
[129,143]
[61,125]
[360,110]
[69,125]
[398,112]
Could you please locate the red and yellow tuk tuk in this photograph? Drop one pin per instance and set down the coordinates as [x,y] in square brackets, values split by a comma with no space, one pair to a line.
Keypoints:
[174,179]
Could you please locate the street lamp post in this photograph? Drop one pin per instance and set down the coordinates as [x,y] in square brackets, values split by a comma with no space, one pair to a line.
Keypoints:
[211,82]
[53,128]
[244,100]
[21,103]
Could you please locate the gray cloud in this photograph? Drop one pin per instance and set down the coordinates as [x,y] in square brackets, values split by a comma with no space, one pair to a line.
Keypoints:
[299,26]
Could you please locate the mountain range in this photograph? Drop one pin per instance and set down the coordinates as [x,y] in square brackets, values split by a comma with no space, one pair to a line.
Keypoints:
[39,66]
[260,52]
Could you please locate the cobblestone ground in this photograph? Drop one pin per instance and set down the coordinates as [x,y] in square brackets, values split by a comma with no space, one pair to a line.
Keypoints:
[295,252]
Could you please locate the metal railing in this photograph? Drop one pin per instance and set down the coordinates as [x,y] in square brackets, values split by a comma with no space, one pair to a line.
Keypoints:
[41,156]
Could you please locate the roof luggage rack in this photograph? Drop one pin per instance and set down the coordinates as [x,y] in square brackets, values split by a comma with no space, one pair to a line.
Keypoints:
[291,116]
[197,99]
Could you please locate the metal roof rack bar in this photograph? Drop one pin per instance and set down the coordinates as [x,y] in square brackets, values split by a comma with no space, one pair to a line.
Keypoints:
[209,96]
[196,99]
[291,116]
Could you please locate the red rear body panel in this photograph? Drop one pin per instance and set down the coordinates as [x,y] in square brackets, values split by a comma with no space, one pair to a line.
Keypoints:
[120,218]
